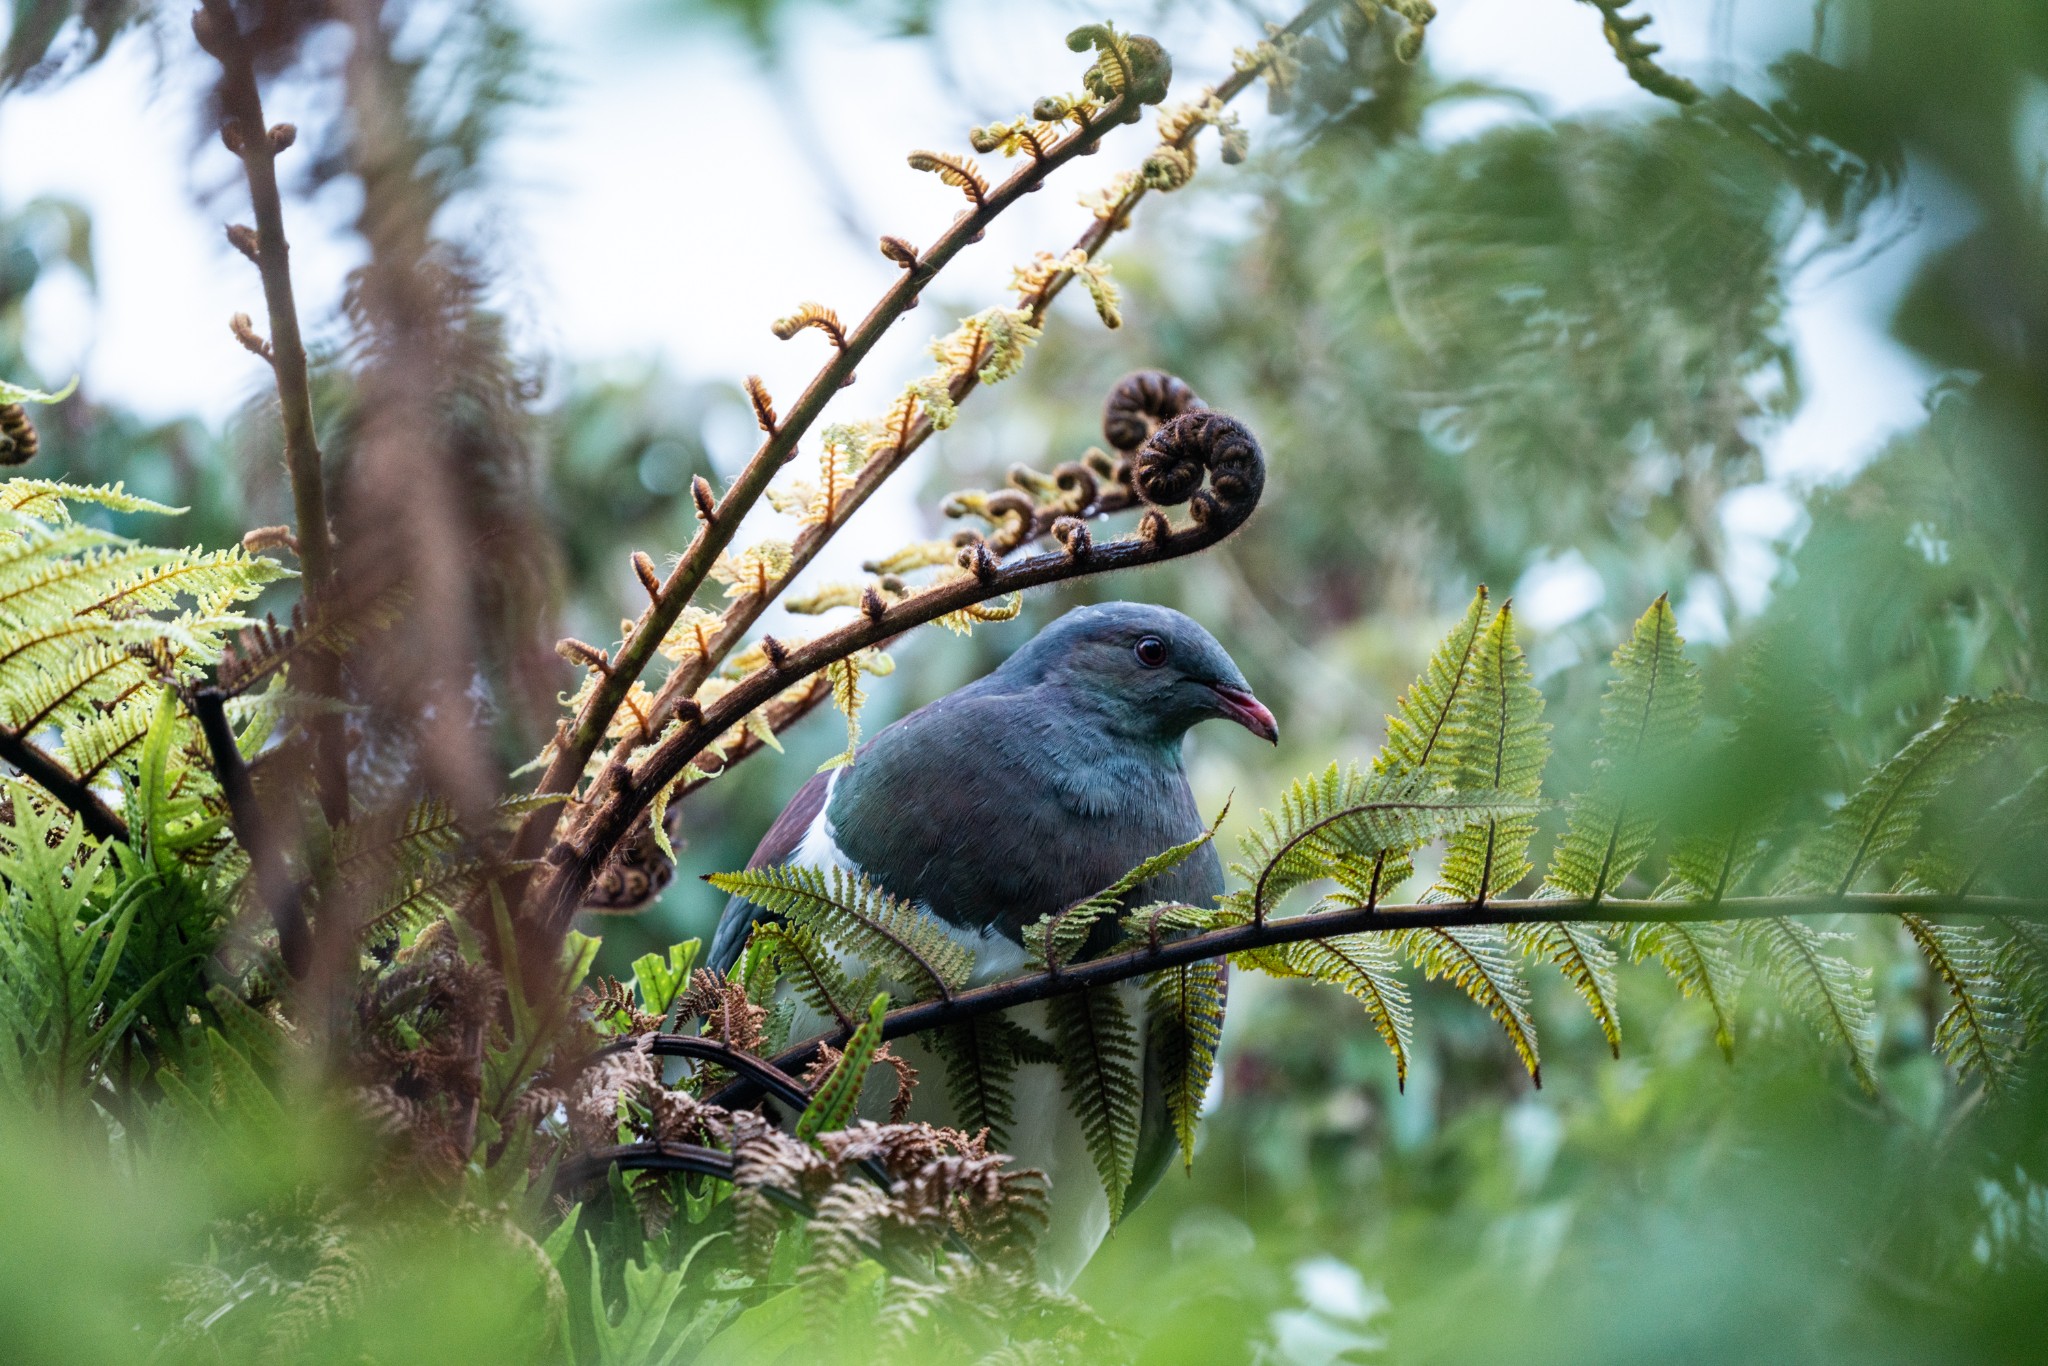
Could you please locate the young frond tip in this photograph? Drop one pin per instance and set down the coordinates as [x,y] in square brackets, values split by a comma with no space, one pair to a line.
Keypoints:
[252,341]
[900,251]
[264,538]
[959,172]
[764,406]
[644,570]
[583,654]
[810,315]
[18,441]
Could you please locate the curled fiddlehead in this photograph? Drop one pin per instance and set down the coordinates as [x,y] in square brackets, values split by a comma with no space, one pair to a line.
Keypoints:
[1141,403]
[1175,460]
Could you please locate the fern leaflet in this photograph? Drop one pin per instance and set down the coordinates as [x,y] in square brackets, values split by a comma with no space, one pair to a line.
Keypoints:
[853,915]
[1829,993]
[1184,1012]
[1366,968]
[1478,961]
[1098,1064]
[1886,810]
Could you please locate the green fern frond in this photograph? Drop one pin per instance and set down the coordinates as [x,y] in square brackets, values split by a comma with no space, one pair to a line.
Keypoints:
[1710,867]
[1366,968]
[1478,961]
[416,900]
[91,744]
[1585,958]
[2021,963]
[1885,812]
[1652,708]
[1338,824]
[1972,1034]
[1496,741]
[838,1096]
[1184,1013]
[1415,729]
[1829,993]
[1056,938]
[1698,959]
[981,1056]
[859,918]
[49,499]
[1098,1065]
[64,691]
[803,960]
[1997,854]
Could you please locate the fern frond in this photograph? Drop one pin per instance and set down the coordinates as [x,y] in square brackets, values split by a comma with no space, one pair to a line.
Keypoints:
[1368,970]
[2020,962]
[838,1096]
[1338,824]
[1098,1065]
[1422,713]
[91,744]
[959,172]
[428,896]
[50,499]
[1886,811]
[802,960]
[1478,961]
[1496,741]
[856,917]
[1830,993]
[1652,707]
[1420,717]
[981,1055]
[1698,960]
[1184,1012]
[1710,867]
[811,315]
[1971,1035]
[213,579]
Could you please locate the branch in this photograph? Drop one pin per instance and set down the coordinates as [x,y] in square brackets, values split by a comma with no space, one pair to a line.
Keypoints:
[716,531]
[1142,961]
[274,885]
[1174,460]
[46,772]
[770,1078]
[571,760]
[246,135]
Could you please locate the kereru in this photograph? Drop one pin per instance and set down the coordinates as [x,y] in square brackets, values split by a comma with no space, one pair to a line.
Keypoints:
[1012,798]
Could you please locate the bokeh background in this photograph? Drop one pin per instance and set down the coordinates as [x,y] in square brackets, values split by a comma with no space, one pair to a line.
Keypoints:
[1498,317]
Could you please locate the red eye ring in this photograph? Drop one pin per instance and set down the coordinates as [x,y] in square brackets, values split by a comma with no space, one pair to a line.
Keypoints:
[1151,651]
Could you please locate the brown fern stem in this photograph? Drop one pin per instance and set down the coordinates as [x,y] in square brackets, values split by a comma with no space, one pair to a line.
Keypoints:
[274,886]
[249,138]
[1146,959]
[43,769]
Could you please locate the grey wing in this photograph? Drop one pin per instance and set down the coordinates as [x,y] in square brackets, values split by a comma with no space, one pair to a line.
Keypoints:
[783,839]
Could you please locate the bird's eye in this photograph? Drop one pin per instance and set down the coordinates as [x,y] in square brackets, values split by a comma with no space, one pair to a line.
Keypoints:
[1151,651]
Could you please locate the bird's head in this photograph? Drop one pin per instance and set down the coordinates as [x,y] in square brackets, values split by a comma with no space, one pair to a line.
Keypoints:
[1149,672]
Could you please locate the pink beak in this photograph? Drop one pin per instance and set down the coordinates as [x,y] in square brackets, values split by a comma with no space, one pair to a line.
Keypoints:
[1241,707]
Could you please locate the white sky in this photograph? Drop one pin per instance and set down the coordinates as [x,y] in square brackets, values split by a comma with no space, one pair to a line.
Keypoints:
[661,205]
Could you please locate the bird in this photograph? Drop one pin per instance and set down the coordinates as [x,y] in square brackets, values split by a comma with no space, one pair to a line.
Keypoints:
[1009,799]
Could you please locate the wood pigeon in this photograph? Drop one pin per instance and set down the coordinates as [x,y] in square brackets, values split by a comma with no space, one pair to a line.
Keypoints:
[1012,798]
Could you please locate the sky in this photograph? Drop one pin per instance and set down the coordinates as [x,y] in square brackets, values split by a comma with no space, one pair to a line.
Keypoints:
[674,197]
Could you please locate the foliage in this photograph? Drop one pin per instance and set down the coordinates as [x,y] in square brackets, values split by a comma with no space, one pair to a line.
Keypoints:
[329,1056]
